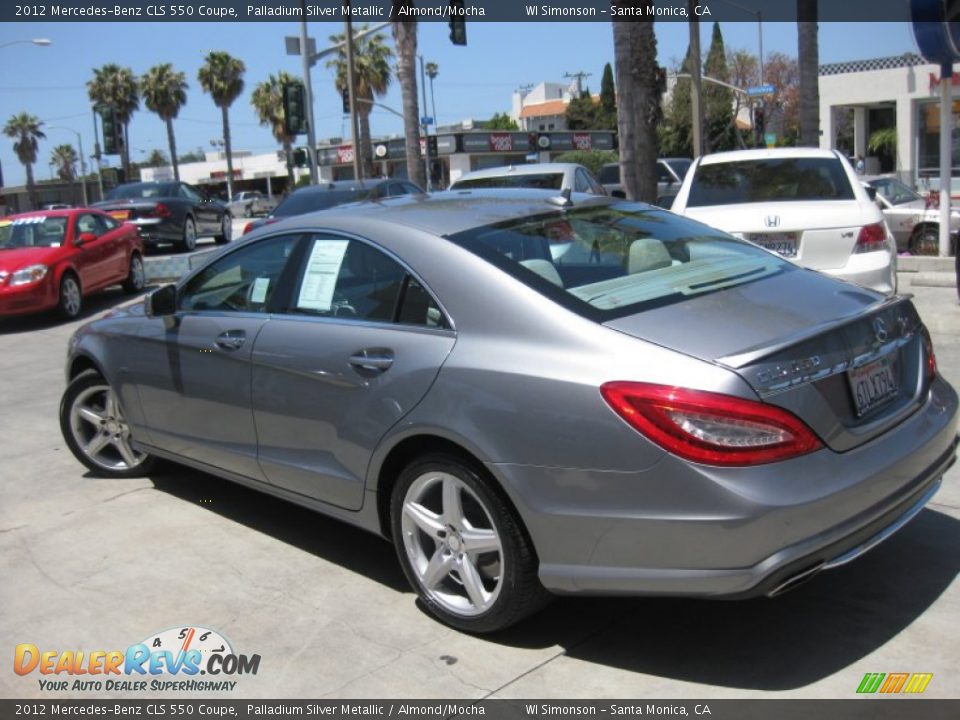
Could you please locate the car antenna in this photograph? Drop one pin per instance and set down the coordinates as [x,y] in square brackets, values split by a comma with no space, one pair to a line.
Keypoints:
[562,200]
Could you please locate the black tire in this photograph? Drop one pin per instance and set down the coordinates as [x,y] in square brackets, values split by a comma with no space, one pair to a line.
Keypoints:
[90,392]
[508,574]
[226,230]
[925,241]
[189,241]
[136,277]
[70,303]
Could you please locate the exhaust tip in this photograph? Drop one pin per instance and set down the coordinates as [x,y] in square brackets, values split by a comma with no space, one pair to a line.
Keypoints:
[795,580]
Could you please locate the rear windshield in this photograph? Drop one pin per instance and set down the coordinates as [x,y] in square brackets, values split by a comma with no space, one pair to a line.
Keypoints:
[775,179]
[33,231]
[142,190]
[620,259]
[300,203]
[543,181]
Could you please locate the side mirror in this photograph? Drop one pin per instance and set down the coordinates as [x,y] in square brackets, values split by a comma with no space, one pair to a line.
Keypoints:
[84,239]
[161,302]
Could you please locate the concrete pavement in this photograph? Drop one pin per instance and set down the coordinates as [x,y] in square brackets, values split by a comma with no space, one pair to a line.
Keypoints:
[92,564]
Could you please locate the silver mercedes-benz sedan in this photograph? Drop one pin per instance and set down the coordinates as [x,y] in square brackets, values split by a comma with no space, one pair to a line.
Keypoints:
[660,409]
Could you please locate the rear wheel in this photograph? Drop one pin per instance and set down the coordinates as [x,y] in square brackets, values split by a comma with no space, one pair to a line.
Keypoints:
[226,230]
[925,241]
[94,427]
[71,299]
[189,242]
[136,278]
[462,547]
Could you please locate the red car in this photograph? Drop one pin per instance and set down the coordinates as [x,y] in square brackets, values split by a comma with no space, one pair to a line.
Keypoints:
[53,258]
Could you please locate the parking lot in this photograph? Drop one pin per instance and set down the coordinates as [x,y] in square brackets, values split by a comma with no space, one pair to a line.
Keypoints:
[92,564]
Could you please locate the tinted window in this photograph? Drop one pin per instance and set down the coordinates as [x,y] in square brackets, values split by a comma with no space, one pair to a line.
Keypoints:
[242,281]
[617,260]
[610,174]
[663,174]
[190,194]
[143,190]
[679,167]
[303,202]
[780,179]
[581,184]
[544,181]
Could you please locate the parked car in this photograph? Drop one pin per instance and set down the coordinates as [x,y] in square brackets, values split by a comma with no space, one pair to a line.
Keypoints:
[56,206]
[805,204]
[544,176]
[915,227]
[54,259]
[169,212]
[670,173]
[680,413]
[251,202]
[326,195]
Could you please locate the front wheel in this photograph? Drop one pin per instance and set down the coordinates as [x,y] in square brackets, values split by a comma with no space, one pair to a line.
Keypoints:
[94,427]
[136,278]
[462,547]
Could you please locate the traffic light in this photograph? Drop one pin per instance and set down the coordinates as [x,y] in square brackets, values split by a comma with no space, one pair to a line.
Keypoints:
[458,26]
[661,80]
[294,108]
[112,131]
[345,95]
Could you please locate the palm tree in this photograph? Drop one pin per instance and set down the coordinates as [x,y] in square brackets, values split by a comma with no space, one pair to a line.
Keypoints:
[405,40]
[267,101]
[808,58]
[116,87]
[24,129]
[64,158]
[164,93]
[222,77]
[371,75]
[638,105]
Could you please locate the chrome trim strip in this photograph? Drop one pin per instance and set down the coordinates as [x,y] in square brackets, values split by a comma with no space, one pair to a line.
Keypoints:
[859,550]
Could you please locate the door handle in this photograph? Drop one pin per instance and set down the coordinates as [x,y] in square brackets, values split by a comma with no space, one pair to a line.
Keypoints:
[372,360]
[231,339]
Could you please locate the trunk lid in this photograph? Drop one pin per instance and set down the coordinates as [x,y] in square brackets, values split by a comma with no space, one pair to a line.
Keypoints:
[129,209]
[848,361]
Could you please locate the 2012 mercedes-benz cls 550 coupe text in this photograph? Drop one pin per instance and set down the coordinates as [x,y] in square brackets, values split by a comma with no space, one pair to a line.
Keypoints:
[662,409]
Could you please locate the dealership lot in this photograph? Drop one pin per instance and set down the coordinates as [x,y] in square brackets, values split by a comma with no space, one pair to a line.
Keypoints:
[96,564]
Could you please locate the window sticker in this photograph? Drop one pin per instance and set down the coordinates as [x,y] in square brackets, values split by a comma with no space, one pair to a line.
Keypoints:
[259,292]
[323,268]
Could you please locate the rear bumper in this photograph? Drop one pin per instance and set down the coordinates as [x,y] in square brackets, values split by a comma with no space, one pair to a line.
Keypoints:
[875,270]
[681,529]
[155,231]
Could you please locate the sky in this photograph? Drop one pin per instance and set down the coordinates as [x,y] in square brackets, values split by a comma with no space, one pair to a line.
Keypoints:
[473,81]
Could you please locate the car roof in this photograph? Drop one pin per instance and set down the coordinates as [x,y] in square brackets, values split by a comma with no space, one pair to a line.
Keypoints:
[531,169]
[766,154]
[447,213]
[63,212]
[341,185]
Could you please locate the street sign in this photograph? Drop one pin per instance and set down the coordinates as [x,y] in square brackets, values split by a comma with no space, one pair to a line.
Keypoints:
[761,90]
[770,139]
[426,120]
[292,45]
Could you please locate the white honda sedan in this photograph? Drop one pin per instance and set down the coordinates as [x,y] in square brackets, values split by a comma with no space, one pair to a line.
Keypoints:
[804,204]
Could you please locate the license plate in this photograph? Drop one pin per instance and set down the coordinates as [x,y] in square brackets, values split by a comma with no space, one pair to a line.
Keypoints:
[120,214]
[784,244]
[872,385]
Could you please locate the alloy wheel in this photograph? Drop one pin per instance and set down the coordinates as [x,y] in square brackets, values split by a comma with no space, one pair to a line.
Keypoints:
[70,298]
[100,430]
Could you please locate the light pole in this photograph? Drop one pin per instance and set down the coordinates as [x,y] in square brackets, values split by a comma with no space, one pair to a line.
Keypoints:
[83,164]
[426,128]
[432,71]
[42,42]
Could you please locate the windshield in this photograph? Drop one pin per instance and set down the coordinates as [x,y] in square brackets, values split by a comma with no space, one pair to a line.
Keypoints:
[135,191]
[894,191]
[304,202]
[617,260]
[543,181]
[774,179]
[34,231]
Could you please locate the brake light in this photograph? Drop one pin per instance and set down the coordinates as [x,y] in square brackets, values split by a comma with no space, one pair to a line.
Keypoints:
[871,238]
[930,355]
[710,428]
[250,225]
[159,210]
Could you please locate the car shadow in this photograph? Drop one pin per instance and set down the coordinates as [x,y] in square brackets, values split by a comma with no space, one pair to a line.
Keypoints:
[327,538]
[93,305]
[812,632]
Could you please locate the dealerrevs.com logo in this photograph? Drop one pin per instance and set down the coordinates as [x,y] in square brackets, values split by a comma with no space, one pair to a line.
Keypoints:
[894,683]
[168,661]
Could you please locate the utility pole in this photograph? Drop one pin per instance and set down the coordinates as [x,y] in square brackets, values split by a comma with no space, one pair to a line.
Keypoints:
[308,92]
[426,130]
[579,77]
[697,123]
[348,33]
[96,151]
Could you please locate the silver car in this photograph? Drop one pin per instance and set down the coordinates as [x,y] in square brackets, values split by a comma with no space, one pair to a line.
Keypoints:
[542,176]
[251,202]
[664,410]
[915,225]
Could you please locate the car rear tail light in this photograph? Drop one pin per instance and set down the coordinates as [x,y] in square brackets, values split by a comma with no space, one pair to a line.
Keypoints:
[929,355]
[159,210]
[871,238]
[710,428]
[250,225]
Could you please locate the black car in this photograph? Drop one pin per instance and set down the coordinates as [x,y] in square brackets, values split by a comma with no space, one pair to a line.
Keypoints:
[169,212]
[327,195]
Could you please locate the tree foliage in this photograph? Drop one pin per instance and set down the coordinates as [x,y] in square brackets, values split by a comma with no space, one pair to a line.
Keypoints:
[501,121]
[719,126]
[24,130]
[267,102]
[593,160]
[221,77]
[582,112]
[164,93]
[64,158]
